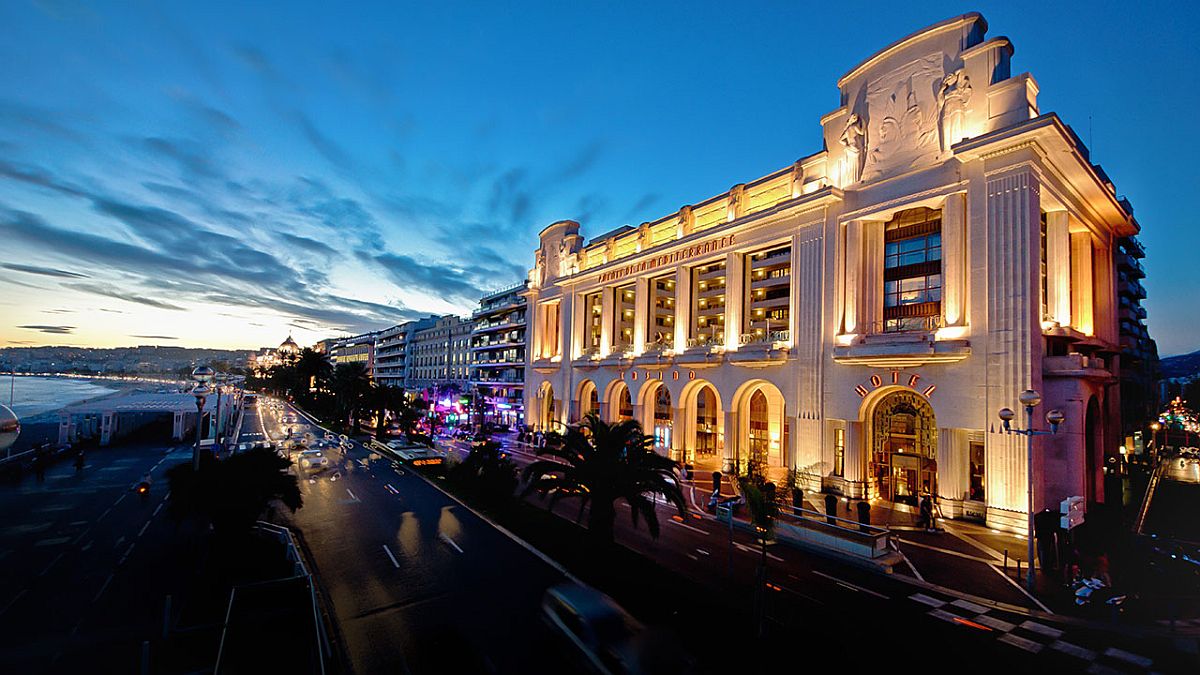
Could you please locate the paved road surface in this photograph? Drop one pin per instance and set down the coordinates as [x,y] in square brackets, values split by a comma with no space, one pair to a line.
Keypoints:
[418,583]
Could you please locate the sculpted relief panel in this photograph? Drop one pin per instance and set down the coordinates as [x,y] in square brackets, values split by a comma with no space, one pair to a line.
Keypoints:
[903,110]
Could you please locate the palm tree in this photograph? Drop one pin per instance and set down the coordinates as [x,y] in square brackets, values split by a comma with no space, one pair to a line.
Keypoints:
[407,409]
[381,399]
[313,368]
[351,383]
[764,509]
[600,463]
[232,493]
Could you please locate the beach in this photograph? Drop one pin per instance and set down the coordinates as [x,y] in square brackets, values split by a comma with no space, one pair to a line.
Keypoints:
[37,400]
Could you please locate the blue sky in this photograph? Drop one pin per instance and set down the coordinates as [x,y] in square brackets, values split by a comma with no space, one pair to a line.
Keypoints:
[220,175]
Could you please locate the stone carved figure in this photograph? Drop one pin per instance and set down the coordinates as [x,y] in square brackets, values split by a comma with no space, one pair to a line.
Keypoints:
[953,98]
[902,116]
[853,142]
[538,274]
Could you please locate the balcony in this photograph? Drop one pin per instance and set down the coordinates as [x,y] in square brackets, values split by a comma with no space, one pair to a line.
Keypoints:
[712,274]
[487,327]
[1133,289]
[760,349]
[881,346]
[1076,365]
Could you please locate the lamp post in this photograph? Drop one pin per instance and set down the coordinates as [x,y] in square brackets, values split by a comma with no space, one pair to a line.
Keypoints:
[202,376]
[1030,399]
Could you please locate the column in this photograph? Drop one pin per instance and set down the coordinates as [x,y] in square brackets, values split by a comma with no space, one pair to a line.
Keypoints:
[1104,293]
[606,321]
[733,440]
[679,434]
[735,300]
[851,270]
[64,428]
[858,453]
[1014,342]
[683,306]
[870,278]
[1082,307]
[1058,268]
[954,246]
[641,314]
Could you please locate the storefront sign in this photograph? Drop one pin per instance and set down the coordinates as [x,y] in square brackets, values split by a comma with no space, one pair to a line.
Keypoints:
[895,378]
[650,375]
[682,254]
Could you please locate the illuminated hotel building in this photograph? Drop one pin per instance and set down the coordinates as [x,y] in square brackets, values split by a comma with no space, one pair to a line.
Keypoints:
[863,314]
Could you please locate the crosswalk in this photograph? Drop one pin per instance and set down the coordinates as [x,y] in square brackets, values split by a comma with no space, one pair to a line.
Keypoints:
[1084,651]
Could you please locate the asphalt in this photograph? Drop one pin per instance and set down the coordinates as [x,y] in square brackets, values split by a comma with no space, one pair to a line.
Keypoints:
[86,563]
[416,582]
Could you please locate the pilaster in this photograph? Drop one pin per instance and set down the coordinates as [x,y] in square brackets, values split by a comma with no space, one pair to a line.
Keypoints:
[954,247]
[735,283]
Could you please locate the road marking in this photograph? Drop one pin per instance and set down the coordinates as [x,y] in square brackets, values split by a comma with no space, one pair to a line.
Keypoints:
[87,546]
[1042,629]
[388,551]
[702,551]
[851,586]
[1021,643]
[14,600]
[351,495]
[751,549]
[54,541]
[129,550]
[969,606]
[106,512]
[100,592]
[693,528]
[120,539]
[926,600]
[450,541]
[390,488]
[1129,657]
[51,564]
[943,615]
[1021,588]
[1073,650]
[78,523]
[992,622]
[143,530]
[119,499]
[157,509]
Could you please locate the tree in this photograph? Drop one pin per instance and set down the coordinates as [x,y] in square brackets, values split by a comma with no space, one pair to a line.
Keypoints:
[351,384]
[232,493]
[407,410]
[381,399]
[764,509]
[599,463]
[489,472]
[314,369]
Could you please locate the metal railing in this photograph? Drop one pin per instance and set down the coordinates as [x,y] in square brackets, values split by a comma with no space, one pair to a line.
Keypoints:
[766,337]
[906,324]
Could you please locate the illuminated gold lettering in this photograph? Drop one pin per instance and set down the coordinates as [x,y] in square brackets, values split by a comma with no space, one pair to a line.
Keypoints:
[912,381]
[861,391]
[929,390]
[895,377]
[876,381]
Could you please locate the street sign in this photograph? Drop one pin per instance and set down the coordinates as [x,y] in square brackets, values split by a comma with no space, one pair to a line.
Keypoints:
[1071,509]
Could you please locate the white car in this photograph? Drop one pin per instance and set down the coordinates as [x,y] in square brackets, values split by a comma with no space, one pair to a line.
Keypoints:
[312,459]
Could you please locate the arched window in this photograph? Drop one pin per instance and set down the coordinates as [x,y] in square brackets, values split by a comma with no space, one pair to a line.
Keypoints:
[662,418]
[624,405]
[706,422]
[760,440]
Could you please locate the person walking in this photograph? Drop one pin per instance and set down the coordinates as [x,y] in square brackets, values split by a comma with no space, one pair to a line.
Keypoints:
[39,465]
[925,518]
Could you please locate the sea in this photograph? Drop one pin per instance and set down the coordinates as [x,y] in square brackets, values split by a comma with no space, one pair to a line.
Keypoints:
[33,396]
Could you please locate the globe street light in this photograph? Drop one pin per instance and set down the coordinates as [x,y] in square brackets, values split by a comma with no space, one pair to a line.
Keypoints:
[10,428]
[201,392]
[1030,399]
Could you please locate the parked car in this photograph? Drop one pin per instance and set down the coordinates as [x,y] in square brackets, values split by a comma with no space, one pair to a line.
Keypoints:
[312,459]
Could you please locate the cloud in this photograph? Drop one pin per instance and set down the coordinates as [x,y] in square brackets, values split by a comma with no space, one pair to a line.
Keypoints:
[44,271]
[154,337]
[442,280]
[55,330]
[310,245]
[113,292]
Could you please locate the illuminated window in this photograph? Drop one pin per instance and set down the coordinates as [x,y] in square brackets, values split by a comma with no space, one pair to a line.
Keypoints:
[708,308]
[839,452]
[912,271]
[593,305]
[624,309]
[662,312]
[768,291]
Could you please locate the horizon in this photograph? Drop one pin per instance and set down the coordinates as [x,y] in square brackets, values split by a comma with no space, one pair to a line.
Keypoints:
[341,175]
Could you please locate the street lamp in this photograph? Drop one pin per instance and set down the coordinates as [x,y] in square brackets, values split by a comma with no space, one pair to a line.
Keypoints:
[1030,399]
[202,376]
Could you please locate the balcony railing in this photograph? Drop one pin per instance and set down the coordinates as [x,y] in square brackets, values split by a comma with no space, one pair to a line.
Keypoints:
[766,337]
[907,324]
[706,340]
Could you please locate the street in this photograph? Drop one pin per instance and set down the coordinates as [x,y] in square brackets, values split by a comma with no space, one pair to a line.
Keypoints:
[418,583]
[86,562]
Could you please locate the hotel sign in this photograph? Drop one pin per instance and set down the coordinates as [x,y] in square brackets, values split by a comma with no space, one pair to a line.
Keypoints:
[895,378]
[682,254]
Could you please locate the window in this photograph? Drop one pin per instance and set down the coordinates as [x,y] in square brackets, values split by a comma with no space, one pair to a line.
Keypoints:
[1043,269]
[662,312]
[768,289]
[708,305]
[593,306]
[912,271]
[977,473]
[624,306]
[839,452]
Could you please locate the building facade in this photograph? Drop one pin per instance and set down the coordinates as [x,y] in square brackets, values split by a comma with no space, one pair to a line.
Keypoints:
[355,349]
[1140,371]
[862,315]
[441,355]
[498,356]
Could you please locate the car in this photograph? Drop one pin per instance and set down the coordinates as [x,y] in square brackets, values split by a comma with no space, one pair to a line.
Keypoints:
[312,459]
[596,632]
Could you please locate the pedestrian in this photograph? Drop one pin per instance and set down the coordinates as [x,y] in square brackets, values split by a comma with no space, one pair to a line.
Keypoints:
[926,513]
[39,465]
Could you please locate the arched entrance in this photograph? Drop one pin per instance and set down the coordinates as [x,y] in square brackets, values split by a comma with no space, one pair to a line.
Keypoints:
[706,447]
[761,428]
[903,459]
[548,410]
[658,422]
[620,402]
[589,399]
